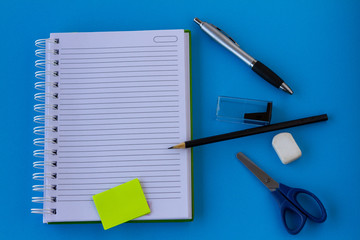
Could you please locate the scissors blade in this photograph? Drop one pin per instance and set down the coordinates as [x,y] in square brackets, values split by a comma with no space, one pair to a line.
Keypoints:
[270,183]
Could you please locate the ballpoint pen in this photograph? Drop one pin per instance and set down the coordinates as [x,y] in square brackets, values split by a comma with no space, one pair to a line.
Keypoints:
[218,35]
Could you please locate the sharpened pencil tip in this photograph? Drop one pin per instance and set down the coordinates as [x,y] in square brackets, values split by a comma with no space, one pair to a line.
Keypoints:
[181,145]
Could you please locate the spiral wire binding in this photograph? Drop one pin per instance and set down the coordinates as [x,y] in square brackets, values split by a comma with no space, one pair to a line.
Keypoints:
[42,74]
[41,53]
[51,211]
[41,107]
[41,43]
[42,176]
[40,142]
[40,97]
[40,86]
[40,130]
[41,63]
[42,188]
[42,164]
[40,119]
[43,199]
[47,144]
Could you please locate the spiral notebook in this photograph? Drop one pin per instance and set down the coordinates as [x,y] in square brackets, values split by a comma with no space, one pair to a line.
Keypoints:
[110,104]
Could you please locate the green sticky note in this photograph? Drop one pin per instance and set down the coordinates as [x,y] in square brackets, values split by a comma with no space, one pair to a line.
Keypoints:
[121,204]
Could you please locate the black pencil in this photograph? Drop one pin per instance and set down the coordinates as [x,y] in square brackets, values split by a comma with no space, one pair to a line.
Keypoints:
[251,131]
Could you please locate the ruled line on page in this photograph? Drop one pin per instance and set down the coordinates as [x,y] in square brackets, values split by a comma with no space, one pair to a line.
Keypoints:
[87,119]
[109,134]
[127,61]
[158,82]
[90,200]
[65,138]
[105,156]
[122,66]
[117,107]
[119,155]
[118,161]
[121,113]
[123,139]
[111,150]
[117,82]
[127,123]
[122,118]
[157,114]
[136,71]
[137,172]
[75,200]
[145,182]
[120,141]
[115,87]
[116,156]
[144,126]
[93,129]
[118,97]
[123,171]
[109,140]
[90,194]
[115,166]
[145,56]
[77,104]
[117,145]
[105,177]
[112,52]
[150,198]
[115,139]
[104,189]
[122,166]
[117,77]
[150,46]
[102,129]
[154,91]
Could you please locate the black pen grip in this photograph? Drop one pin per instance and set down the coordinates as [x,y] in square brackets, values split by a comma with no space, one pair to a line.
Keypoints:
[266,73]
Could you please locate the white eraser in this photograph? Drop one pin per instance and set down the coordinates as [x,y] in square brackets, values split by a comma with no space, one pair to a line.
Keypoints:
[286,147]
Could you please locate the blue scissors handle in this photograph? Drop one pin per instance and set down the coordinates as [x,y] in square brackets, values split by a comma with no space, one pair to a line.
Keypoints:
[287,198]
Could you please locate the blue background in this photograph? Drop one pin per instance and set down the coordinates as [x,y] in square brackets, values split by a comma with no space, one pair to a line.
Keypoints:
[313,45]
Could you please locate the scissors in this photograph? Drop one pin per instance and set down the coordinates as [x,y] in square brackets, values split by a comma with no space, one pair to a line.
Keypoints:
[287,198]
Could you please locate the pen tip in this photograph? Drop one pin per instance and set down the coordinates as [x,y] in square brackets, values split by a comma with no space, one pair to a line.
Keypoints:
[286,88]
[197,21]
[170,147]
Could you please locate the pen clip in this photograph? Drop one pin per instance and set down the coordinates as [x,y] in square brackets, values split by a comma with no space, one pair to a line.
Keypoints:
[225,34]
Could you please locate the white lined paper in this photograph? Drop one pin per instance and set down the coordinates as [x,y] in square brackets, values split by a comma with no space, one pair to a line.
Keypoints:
[123,100]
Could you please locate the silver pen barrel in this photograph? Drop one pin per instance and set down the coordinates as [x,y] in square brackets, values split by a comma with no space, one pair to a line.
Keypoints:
[225,41]
[258,67]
